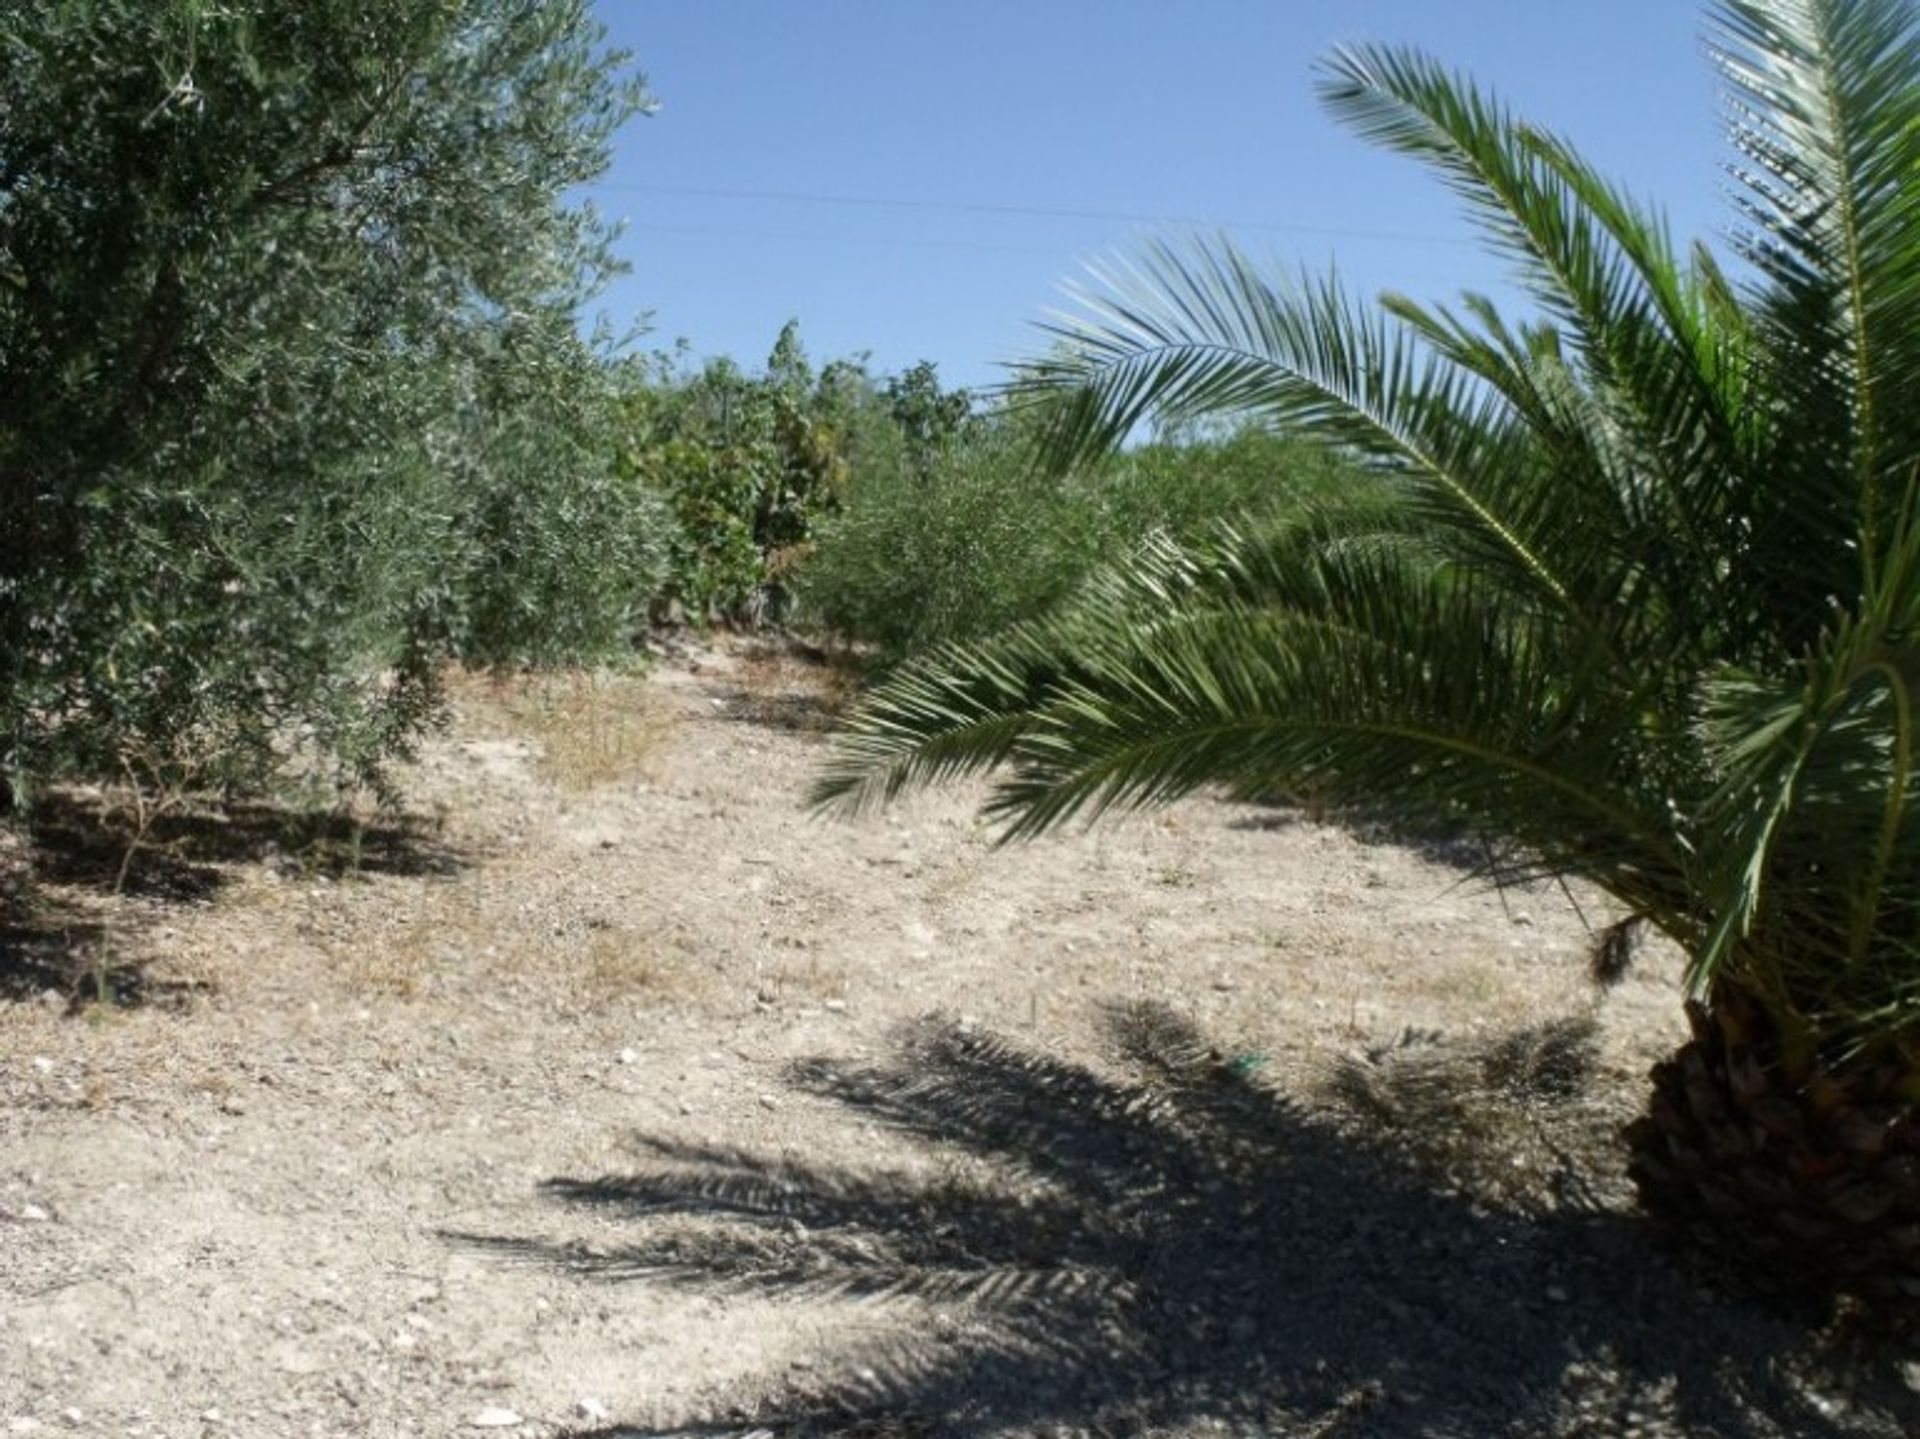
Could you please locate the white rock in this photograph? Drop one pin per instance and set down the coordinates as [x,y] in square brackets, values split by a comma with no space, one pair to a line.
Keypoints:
[593,1409]
[835,1006]
[494,1418]
[33,1213]
[43,1064]
[629,1056]
[767,1101]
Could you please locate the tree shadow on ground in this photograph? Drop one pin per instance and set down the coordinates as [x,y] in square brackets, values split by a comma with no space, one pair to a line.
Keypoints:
[1173,1247]
[84,880]
[88,842]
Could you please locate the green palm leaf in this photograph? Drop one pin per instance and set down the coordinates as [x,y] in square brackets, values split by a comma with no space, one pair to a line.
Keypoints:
[1641,589]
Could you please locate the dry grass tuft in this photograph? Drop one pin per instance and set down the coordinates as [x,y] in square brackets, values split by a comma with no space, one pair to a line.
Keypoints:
[794,686]
[591,730]
[620,962]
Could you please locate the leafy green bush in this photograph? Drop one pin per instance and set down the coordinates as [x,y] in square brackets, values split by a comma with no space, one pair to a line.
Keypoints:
[270,379]
[565,547]
[977,539]
[749,463]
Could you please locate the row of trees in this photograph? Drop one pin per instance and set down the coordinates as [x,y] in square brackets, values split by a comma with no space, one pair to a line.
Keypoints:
[295,405]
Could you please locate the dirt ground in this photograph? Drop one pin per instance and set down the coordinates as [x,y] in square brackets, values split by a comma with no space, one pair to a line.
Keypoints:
[612,1093]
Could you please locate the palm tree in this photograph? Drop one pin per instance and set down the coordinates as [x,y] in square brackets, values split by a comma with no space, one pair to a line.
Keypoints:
[1637,596]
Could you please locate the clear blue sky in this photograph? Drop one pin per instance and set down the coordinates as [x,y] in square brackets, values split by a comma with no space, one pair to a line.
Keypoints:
[892,172]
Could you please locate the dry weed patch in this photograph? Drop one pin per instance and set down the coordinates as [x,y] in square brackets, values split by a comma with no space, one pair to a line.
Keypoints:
[618,961]
[591,730]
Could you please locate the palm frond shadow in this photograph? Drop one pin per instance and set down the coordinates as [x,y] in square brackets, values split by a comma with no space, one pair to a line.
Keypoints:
[1173,1243]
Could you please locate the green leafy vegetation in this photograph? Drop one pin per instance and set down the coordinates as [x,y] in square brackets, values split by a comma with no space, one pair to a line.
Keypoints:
[286,420]
[976,538]
[1636,601]
[747,465]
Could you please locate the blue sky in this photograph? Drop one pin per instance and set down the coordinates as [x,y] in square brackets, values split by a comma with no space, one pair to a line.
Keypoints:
[914,180]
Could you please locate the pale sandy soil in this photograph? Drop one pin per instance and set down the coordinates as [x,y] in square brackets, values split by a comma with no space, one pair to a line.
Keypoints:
[625,1097]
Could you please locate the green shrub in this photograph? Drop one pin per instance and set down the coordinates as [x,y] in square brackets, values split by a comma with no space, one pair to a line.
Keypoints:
[565,547]
[748,464]
[270,379]
[977,540]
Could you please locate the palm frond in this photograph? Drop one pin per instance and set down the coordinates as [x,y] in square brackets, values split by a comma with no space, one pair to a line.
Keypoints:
[1825,117]
[1639,595]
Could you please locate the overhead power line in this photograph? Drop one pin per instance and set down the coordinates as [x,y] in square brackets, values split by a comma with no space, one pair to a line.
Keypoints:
[883,202]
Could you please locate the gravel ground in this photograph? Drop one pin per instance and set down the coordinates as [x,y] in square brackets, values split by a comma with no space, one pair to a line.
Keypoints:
[611,1093]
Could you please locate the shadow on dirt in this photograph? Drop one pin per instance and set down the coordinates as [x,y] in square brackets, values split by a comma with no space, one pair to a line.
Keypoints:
[78,888]
[187,854]
[1181,1247]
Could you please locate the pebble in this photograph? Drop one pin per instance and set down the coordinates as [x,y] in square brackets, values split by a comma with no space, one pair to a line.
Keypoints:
[767,1101]
[34,1214]
[629,1056]
[834,1006]
[594,1410]
[42,1064]
[492,1418]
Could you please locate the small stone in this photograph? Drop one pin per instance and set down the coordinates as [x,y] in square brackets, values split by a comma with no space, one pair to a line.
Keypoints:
[494,1418]
[1557,1294]
[231,1105]
[594,1410]
[34,1214]
[629,1056]
[685,1108]
[1524,921]
[835,1006]
[51,999]
[1225,985]
[212,1416]
[73,1417]
[767,1101]
[42,1064]
[23,1426]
